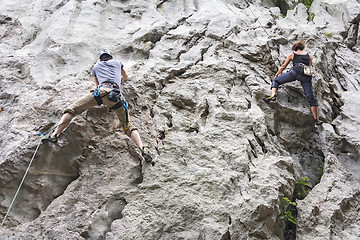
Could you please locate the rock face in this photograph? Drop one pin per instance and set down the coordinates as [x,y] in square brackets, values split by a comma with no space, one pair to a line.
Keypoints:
[227,165]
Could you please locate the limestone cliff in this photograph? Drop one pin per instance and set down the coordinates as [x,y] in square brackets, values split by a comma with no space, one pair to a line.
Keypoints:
[227,165]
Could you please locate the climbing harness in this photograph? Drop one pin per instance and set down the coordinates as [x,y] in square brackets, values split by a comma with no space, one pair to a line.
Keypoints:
[310,71]
[120,103]
[123,103]
[96,95]
[114,96]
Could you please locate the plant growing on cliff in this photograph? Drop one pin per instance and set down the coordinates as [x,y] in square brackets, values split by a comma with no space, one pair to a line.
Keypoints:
[302,187]
[320,171]
[311,17]
[307,3]
[304,181]
[287,211]
[328,34]
[288,216]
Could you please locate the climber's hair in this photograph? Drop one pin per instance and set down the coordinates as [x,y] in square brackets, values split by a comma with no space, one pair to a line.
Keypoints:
[298,45]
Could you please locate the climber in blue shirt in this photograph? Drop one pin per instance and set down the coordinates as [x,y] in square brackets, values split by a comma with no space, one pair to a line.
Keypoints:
[108,73]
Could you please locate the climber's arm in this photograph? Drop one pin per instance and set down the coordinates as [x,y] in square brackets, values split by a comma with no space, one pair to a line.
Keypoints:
[124,75]
[286,63]
[96,81]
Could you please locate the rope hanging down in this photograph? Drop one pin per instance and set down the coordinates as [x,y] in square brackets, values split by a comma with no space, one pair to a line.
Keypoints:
[27,170]
[22,181]
[257,19]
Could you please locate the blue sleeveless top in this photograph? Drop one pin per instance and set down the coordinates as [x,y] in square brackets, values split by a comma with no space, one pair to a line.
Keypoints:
[304,59]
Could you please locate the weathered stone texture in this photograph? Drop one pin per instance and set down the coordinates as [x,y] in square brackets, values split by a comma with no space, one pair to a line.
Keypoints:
[224,160]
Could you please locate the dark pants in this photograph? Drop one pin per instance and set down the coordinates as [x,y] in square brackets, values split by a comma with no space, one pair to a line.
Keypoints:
[297,73]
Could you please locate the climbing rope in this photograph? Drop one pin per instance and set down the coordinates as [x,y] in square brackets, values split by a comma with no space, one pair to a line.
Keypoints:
[22,181]
[53,128]
[257,19]
[27,170]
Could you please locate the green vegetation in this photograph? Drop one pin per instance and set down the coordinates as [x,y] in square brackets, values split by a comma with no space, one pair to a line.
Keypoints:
[288,216]
[328,34]
[307,3]
[302,187]
[304,181]
[310,17]
[287,213]
[289,202]
[320,171]
[246,228]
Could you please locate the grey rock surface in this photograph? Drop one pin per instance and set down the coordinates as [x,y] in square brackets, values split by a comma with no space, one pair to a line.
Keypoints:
[224,160]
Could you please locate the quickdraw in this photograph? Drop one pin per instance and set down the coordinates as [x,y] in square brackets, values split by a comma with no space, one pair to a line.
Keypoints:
[96,95]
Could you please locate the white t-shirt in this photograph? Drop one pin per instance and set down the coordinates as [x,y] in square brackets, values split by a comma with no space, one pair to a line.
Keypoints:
[109,71]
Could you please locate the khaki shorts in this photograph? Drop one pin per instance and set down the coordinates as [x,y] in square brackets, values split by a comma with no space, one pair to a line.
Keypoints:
[88,101]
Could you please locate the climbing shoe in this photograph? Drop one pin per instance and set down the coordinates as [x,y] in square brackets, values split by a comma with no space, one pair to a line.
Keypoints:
[50,139]
[146,155]
[318,122]
[270,99]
